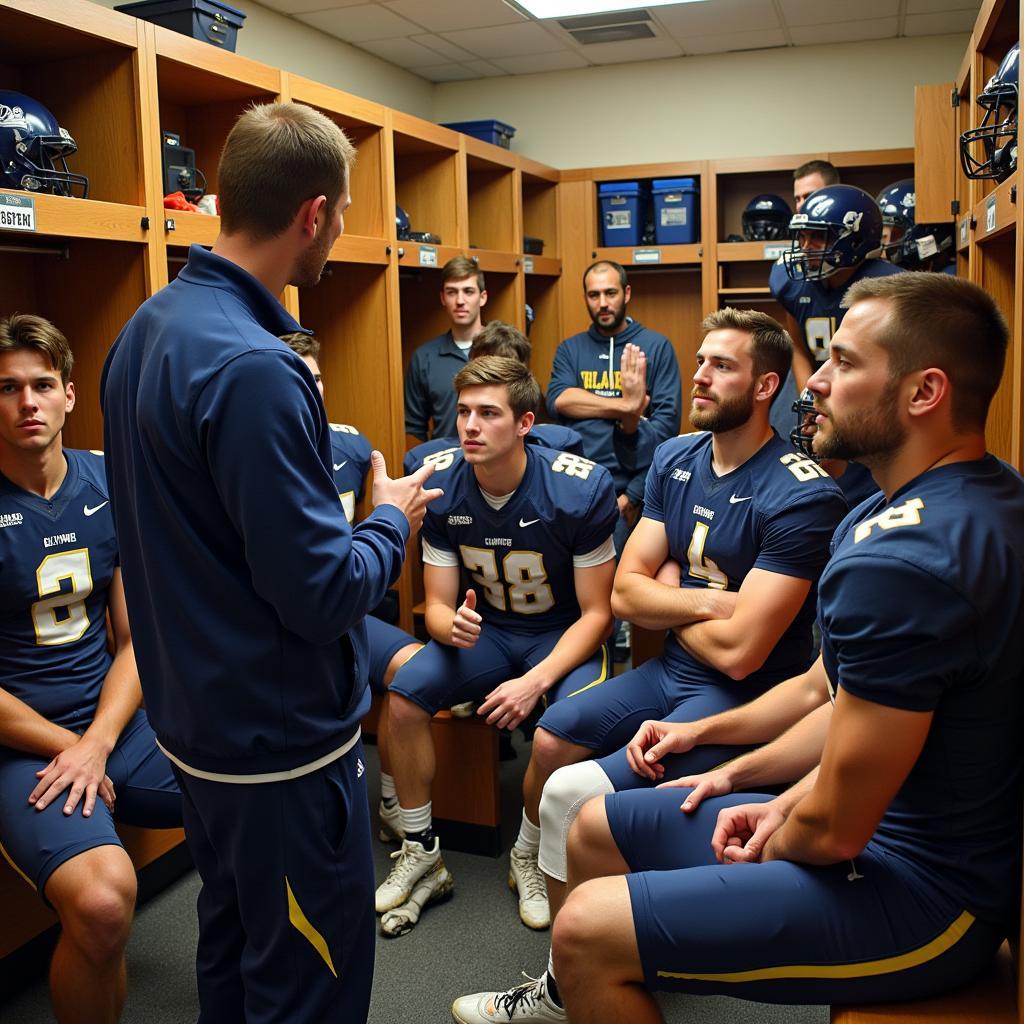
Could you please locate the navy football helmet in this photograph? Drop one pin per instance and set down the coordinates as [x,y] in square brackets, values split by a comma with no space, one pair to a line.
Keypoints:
[911,245]
[839,226]
[802,435]
[766,218]
[34,149]
[402,225]
[990,150]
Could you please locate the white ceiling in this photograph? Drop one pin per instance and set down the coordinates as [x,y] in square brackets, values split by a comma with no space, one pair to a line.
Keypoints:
[454,40]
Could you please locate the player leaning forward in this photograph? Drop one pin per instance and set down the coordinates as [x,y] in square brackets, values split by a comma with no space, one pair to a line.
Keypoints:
[518,566]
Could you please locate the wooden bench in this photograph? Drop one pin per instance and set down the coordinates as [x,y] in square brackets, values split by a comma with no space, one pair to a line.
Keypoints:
[29,929]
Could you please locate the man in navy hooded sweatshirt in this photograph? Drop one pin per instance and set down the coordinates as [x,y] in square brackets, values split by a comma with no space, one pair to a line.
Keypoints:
[617,384]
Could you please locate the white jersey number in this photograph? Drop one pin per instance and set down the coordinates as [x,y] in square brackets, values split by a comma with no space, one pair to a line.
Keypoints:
[59,616]
[524,589]
[700,566]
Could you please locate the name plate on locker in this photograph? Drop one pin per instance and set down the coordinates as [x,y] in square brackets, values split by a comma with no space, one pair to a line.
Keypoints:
[17,213]
[965,228]
[528,264]
[990,213]
[646,255]
[773,252]
[428,256]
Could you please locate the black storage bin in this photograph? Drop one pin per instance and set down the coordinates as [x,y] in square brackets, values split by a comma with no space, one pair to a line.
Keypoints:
[209,20]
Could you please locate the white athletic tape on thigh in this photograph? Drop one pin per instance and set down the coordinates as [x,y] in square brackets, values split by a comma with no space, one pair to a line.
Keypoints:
[564,794]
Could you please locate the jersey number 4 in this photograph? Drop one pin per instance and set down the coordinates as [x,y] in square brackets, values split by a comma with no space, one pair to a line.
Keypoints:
[522,586]
[59,616]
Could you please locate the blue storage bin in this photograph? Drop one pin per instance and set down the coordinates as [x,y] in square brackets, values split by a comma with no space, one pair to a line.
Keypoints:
[676,211]
[212,21]
[496,132]
[622,212]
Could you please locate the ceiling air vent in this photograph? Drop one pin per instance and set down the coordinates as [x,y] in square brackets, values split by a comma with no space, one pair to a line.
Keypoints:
[608,28]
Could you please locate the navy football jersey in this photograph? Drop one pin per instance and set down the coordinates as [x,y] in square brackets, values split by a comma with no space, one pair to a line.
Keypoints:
[519,558]
[350,461]
[920,609]
[815,307]
[550,435]
[776,512]
[57,559]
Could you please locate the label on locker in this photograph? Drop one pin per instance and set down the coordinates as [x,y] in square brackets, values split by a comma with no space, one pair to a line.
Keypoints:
[773,252]
[428,256]
[646,255]
[965,227]
[528,264]
[990,213]
[17,213]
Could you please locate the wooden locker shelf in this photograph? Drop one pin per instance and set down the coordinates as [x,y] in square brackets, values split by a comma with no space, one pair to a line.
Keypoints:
[545,266]
[671,255]
[744,252]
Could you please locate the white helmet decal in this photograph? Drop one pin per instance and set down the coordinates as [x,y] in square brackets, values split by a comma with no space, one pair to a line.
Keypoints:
[12,117]
[852,219]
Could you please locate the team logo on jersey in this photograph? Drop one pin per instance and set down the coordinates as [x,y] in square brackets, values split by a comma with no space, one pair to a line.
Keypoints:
[733,500]
[498,542]
[460,520]
[700,510]
[527,522]
[60,538]
[87,511]
[10,519]
[340,465]
[682,475]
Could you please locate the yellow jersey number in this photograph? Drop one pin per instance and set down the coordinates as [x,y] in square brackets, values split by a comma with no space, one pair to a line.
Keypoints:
[59,616]
[522,586]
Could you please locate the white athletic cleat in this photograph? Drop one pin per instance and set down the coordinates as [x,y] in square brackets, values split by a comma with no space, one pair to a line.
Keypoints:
[467,709]
[526,878]
[412,862]
[526,1002]
[390,825]
[435,885]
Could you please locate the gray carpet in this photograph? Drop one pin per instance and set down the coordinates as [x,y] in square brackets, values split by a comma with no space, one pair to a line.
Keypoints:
[473,941]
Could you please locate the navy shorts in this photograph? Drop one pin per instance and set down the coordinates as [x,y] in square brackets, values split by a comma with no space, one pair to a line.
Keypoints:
[867,930]
[39,842]
[440,676]
[385,641]
[286,919]
[606,719]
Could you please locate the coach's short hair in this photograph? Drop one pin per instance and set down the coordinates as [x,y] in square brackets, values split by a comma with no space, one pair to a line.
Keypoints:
[946,322]
[523,389]
[498,338]
[618,268]
[302,344]
[26,331]
[770,345]
[828,172]
[458,268]
[276,157]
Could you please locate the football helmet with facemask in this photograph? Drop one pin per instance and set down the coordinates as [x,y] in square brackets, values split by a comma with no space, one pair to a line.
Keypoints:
[34,149]
[990,150]
[802,435]
[911,245]
[838,227]
[766,218]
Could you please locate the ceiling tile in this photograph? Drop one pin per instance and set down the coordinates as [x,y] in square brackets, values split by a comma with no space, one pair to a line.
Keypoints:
[634,49]
[451,15]
[532,63]
[719,17]
[302,6]
[402,52]
[357,24]
[940,22]
[725,42]
[934,6]
[447,73]
[483,68]
[848,32]
[824,12]
[444,48]
[509,41]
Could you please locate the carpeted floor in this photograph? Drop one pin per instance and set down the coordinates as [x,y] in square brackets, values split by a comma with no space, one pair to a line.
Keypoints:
[474,941]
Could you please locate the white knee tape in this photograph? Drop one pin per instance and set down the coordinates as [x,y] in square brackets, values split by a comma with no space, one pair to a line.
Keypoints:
[564,794]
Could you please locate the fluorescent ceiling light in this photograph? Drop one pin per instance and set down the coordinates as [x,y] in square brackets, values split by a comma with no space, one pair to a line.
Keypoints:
[568,8]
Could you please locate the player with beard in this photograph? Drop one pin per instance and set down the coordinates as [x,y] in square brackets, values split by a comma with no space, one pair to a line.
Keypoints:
[247,588]
[890,871]
[617,384]
[749,521]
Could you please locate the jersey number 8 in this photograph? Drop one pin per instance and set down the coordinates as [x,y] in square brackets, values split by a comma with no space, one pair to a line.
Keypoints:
[524,588]
[59,616]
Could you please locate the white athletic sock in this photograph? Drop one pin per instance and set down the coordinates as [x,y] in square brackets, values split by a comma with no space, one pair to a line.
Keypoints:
[415,819]
[528,840]
[387,786]
[551,963]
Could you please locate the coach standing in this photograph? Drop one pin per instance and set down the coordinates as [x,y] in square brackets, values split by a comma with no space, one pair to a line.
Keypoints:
[247,589]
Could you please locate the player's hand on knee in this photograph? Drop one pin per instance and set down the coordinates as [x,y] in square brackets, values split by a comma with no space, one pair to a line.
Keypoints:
[467,623]
[407,493]
[653,741]
[704,785]
[507,705]
[81,770]
[742,831]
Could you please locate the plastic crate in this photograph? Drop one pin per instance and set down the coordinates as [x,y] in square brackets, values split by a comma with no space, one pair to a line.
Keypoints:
[622,212]
[496,132]
[676,211]
[208,20]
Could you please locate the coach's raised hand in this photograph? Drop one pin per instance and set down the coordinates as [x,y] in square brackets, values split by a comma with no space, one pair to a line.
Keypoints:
[406,493]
